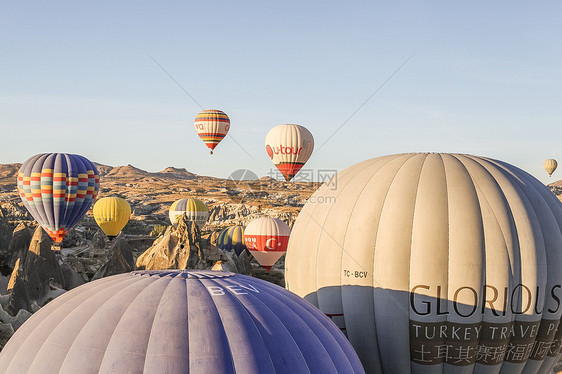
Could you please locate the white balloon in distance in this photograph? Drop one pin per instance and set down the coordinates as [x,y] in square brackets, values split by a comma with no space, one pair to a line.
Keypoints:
[266,238]
[289,147]
[550,165]
[435,263]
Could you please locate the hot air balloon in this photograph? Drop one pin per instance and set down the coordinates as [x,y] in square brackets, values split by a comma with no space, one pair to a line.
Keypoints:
[266,238]
[111,215]
[550,165]
[232,239]
[174,321]
[435,263]
[289,147]
[212,126]
[58,189]
[195,209]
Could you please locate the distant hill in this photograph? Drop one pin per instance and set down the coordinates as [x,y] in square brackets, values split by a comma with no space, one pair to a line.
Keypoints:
[127,171]
[179,173]
[9,170]
[556,184]
[103,169]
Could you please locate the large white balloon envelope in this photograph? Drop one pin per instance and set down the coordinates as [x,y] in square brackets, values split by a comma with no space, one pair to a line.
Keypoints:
[435,263]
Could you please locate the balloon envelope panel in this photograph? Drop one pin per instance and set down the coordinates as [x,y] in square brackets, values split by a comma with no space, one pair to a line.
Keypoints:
[58,189]
[435,263]
[179,322]
[232,239]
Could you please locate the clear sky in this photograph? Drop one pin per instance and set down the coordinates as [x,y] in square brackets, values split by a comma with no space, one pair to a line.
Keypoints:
[485,78]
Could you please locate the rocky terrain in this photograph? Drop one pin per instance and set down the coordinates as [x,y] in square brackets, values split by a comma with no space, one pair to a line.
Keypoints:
[556,187]
[32,274]
[151,194]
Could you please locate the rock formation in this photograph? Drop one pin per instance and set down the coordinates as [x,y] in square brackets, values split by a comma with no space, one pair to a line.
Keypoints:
[3,285]
[37,276]
[242,214]
[120,259]
[5,233]
[177,248]
[183,248]
[9,324]
[72,278]
[19,244]
[98,241]
[233,263]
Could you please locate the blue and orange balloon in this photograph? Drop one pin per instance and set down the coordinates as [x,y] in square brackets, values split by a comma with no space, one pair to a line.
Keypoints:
[58,189]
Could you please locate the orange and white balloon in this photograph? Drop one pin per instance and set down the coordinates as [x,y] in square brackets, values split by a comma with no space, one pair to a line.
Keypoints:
[266,238]
[289,147]
[212,126]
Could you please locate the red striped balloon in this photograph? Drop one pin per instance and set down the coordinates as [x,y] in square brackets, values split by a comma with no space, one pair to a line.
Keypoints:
[212,126]
[266,238]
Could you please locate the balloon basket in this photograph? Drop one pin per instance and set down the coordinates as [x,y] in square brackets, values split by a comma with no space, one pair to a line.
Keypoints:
[56,247]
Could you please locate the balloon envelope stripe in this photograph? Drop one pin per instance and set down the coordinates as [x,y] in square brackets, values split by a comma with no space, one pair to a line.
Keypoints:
[443,243]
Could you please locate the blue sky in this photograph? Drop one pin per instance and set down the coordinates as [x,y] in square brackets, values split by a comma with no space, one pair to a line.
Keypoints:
[484,79]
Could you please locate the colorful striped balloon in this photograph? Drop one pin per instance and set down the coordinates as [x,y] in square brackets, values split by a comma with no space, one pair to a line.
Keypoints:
[195,209]
[232,239]
[58,189]
[212,126]
[289,147]
[266,238]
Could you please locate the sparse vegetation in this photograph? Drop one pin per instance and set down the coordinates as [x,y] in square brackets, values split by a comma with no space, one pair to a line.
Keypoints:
[158,230]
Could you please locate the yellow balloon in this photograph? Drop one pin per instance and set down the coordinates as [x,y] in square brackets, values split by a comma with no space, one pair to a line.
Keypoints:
[112,214]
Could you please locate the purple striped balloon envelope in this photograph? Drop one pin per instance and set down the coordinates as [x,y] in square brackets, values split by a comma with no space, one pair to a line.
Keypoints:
[178,321]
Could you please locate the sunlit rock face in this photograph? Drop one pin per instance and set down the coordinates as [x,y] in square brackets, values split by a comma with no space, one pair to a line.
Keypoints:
[36,275]
[178,248]
[435,263]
